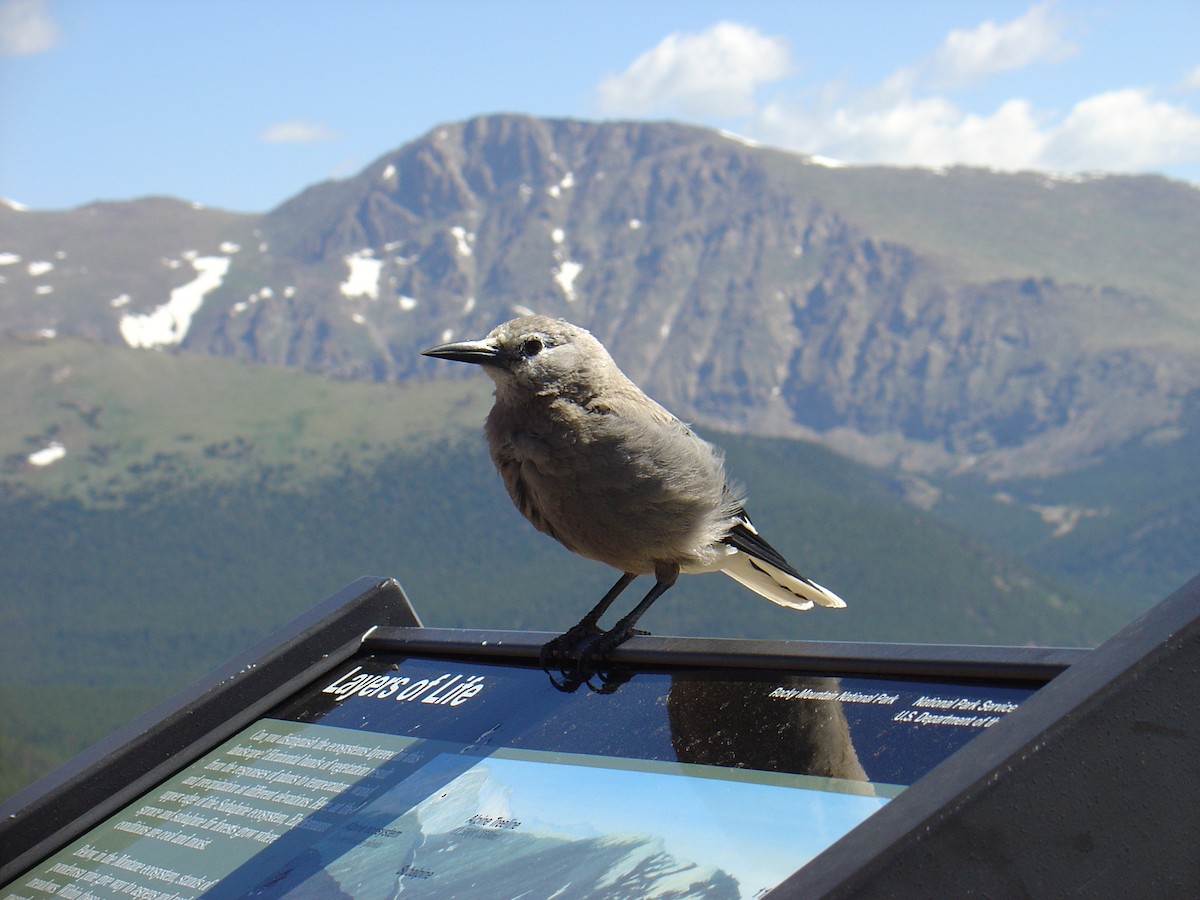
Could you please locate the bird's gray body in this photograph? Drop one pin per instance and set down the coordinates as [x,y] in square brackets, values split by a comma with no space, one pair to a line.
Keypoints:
[634,491]
[595,463]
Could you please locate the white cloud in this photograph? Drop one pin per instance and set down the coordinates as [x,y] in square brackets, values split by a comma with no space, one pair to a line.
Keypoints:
[967,55]
[1119,131]
[710,73]
[917,115]
[297,132]
[901,122]
[929,131]
[1123,130]
[26,27]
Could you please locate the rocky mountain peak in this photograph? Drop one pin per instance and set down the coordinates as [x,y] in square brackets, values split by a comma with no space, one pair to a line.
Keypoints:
[939,322]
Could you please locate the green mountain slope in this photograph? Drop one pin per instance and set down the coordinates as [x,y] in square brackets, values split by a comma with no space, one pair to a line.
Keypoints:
[1126,528]
[1134,233]
[203,502]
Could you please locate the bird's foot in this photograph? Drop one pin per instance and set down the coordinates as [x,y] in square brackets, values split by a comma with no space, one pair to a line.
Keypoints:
[596,652]
[568,679]
[606,681]
[580,656]
[567,647]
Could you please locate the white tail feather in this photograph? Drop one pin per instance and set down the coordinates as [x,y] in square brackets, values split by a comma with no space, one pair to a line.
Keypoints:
[776,585]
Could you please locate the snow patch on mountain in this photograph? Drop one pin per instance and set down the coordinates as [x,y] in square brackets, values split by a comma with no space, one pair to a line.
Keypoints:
[169,323]
[463,239]
[564,277]
[363,280]
[51,453]
[472,793]
[567,182]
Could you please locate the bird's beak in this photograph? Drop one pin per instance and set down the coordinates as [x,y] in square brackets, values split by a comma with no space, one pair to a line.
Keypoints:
[481,352]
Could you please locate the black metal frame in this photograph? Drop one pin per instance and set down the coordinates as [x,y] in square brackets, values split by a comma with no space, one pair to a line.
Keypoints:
[936,838]
[64,804]
[1091,788]
[1019,665]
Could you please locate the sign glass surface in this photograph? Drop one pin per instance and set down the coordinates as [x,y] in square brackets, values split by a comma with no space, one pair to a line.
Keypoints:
[420,777]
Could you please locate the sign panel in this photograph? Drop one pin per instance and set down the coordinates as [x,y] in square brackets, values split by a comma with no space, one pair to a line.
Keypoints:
[436,778]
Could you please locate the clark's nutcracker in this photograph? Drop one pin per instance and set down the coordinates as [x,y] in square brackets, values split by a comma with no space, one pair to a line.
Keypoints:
[596,464]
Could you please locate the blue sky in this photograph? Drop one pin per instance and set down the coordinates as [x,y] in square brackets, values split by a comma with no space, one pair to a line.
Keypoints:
[242,103]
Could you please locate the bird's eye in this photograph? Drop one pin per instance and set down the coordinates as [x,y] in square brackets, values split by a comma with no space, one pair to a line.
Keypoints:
[531,347]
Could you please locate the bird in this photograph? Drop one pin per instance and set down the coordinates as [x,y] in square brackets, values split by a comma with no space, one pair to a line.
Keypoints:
[595,463]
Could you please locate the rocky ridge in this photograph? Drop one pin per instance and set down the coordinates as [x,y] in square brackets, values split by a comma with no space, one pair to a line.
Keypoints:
[741,286]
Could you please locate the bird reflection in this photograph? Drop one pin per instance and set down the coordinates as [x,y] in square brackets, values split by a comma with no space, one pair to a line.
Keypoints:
[719,721]
[600,677]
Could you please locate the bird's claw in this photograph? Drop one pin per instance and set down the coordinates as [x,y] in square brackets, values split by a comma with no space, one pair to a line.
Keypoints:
[581,654]
[609,680]
[596,652]
[568,647]
[567,679]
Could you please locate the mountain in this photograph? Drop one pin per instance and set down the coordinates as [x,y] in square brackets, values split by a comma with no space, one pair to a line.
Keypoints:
[199,502]
[82,271]
[965,320]
[434,849]
[966,401]
[1021,351]
[180,460]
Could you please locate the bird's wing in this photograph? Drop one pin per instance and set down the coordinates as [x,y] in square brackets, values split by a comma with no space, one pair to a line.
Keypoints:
[760,567]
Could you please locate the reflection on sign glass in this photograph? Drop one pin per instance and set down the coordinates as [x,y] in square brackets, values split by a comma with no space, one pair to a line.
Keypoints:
[434,778]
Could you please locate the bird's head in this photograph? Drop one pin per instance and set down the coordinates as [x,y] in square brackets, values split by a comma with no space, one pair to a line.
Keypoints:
[534,355]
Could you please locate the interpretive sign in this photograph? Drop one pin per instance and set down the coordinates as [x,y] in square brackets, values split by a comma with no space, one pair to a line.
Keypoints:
[355,753]
[443,777]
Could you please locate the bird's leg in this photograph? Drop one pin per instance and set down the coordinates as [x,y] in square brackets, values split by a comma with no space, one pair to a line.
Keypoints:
[590,624]
[562,647]
[666,573]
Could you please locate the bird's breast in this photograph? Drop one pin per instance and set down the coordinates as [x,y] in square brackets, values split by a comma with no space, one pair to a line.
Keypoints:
[600,488]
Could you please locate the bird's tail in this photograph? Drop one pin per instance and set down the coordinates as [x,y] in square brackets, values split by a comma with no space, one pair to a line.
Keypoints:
[760,567]
[776,585]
